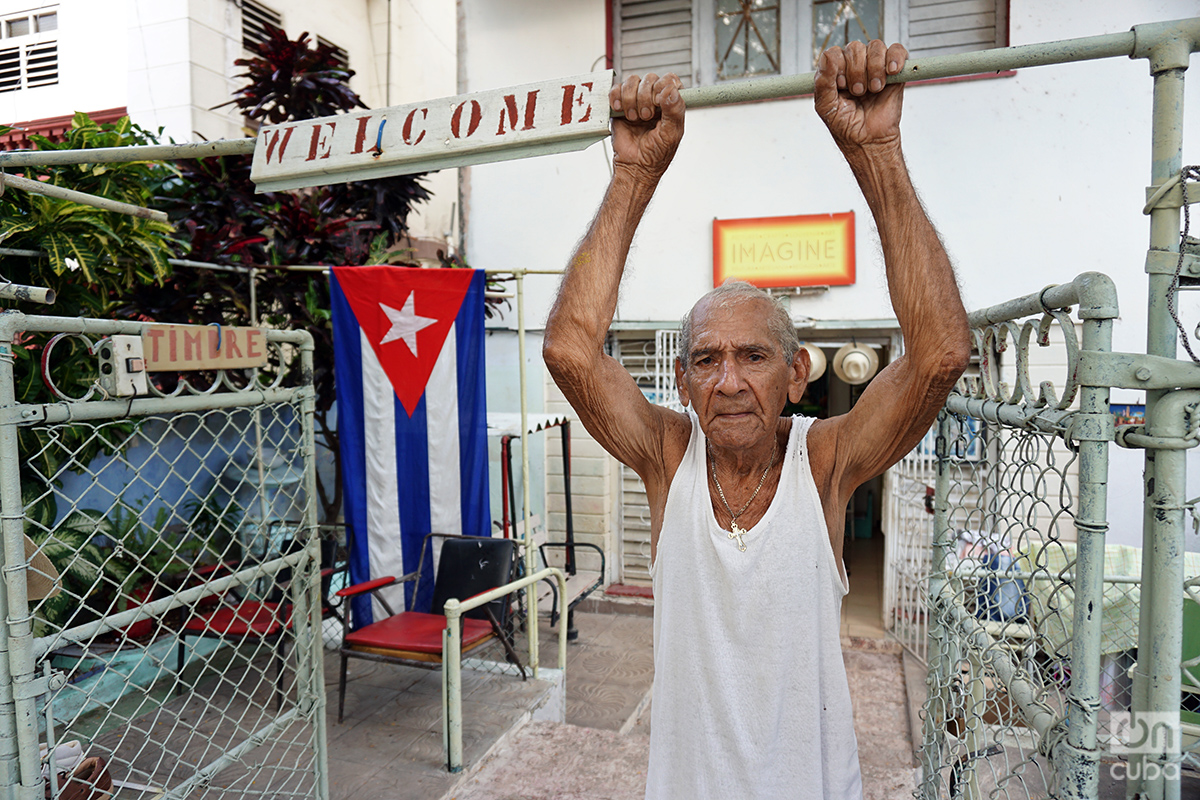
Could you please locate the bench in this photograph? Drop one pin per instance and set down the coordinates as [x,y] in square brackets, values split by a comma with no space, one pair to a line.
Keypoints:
[582,578]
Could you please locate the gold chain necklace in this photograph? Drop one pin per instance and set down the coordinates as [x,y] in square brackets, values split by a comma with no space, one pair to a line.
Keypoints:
[737,531]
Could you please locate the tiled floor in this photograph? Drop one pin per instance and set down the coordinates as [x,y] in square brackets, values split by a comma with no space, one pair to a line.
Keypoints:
[610,669]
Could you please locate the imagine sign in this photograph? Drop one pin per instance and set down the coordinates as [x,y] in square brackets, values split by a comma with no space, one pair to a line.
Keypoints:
[771,252]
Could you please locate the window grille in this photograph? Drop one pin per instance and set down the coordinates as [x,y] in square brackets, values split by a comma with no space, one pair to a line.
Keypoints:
[29,58]
[747,33]
[839,22]
[707,41]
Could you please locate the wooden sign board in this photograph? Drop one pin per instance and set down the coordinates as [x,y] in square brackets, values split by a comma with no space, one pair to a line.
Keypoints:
[773,252]
[179,348]
[516,122]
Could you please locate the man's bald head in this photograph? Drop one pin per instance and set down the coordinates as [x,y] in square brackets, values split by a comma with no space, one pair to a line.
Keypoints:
[734,292]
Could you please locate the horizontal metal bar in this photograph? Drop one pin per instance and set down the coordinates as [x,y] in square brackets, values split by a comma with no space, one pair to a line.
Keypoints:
[1136,371]
[132,153]
[1021,691]
[52,413]
[1005,575]
[456,608]
[81,634]
[923,69]
[16,322]
[32,294]
[60,193]
[1046,419]
[931,68]
[1093,292]
[273,731]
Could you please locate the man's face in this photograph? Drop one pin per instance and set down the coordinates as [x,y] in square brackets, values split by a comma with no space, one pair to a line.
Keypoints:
[736,377]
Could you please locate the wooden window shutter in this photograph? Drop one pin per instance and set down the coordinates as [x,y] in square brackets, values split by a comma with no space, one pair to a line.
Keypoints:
[942,27]
[653,36]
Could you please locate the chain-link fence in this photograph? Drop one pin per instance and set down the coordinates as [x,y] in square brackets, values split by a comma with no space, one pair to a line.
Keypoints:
[1049,650]
[161,577]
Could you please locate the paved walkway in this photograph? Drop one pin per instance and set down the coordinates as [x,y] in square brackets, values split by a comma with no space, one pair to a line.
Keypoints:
[542,761]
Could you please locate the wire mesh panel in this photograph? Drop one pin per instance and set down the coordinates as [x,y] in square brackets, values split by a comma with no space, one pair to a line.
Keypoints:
[1009,509]
[1017,652]
[169,619]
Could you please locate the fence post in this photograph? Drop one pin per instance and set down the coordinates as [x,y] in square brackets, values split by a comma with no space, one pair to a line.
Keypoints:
[1169,58]
[1078,762]
[12,515]
[1160,640]
[940,641]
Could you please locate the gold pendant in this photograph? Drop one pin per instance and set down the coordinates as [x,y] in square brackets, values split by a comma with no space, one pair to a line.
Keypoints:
[737,532]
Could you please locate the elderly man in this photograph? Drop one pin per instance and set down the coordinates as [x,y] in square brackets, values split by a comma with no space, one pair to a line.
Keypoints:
[750,692]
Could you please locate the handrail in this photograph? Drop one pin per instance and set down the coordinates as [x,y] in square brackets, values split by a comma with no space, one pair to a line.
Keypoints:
[452,652]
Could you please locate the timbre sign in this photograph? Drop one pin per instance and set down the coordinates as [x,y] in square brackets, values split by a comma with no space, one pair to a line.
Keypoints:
[178,348]
[534,119]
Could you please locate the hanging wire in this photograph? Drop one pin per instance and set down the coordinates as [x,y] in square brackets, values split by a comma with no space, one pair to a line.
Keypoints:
[1191,173]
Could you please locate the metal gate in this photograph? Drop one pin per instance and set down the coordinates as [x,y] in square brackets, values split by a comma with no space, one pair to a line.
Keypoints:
[908,523]
[161,603]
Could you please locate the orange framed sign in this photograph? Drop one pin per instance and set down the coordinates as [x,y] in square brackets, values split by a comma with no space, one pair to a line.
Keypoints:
[771,252]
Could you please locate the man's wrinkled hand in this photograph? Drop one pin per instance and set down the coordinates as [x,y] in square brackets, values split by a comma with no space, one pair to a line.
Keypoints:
[646,139]
[853,97]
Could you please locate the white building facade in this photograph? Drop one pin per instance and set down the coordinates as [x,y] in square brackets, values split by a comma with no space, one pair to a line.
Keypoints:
[1031,176]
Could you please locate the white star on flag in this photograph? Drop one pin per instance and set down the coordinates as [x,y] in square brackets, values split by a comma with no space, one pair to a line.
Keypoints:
[405,323]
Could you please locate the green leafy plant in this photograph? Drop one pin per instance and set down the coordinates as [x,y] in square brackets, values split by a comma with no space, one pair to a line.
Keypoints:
[223,220]
[92,257]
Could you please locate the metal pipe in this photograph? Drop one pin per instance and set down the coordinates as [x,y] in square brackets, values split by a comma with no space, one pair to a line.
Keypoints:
[31,294]
[132,153]
[59,193]
[273,731]
[1169,58]
[923,69]
[531,622]
[1160,643]
[938,633]
[1079,756]
[157,608]
[12,526]
[452,652]
[314,704]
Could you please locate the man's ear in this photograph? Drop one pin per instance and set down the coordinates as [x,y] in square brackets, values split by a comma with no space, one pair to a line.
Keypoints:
[798,374]
[684,399]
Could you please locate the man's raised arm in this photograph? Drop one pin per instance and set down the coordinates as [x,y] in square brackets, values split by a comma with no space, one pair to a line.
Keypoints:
[603,394]
[896,410]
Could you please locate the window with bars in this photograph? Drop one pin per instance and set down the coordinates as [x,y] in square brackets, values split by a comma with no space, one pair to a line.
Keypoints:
[255,19]
[29,49]
[708,41]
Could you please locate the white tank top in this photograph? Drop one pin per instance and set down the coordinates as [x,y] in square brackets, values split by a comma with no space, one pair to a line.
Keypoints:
[750,692]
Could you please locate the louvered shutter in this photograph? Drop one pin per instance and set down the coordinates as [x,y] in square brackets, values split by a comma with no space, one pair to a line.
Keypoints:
[942,27]
[653,36]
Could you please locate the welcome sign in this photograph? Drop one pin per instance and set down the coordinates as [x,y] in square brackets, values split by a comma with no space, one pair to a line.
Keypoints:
[535,119]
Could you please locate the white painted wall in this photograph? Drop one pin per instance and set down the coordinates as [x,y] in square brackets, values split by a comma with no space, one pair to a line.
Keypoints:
[92,42]
[1031,179]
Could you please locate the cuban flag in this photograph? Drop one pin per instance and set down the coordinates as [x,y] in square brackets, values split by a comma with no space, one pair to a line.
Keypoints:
[412,418]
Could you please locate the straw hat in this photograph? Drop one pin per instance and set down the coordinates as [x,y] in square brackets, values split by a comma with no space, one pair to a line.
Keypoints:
[42,578]
[817,356]
[855,363]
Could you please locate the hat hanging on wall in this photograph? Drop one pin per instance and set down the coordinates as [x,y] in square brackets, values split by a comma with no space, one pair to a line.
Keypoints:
[816,357]
[855,363]
[43,579]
